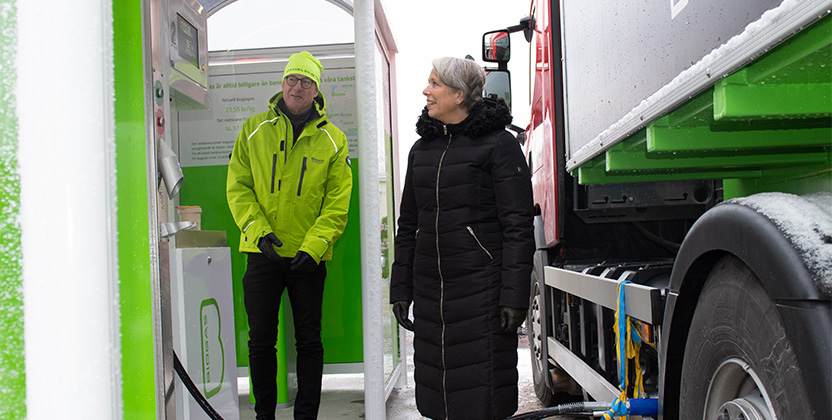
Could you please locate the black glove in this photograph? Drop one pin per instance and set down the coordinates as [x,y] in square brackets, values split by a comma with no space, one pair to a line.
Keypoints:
[265,244]
[511,319]
[303,262]
[400,309]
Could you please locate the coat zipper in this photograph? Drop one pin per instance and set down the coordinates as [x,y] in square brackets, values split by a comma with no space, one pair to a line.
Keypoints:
[274,169]
[478,241]
[441,279]
[302,171]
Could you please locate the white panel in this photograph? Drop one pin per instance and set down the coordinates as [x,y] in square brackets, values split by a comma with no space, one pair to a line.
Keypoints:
[67,209]
[202,312]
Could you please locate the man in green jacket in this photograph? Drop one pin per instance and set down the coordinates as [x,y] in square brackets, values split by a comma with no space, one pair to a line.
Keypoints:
[288,188]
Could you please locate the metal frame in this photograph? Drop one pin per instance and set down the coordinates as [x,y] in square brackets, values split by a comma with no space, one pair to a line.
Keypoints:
[590,380]
[641,302]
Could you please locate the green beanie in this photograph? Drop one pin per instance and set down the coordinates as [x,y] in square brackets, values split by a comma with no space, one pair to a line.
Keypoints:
[304,64]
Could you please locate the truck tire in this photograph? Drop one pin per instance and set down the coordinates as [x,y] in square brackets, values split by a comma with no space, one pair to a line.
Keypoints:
[540,360]
[738,361]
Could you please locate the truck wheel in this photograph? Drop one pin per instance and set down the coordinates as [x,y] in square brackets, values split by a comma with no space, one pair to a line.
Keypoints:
[738,362]
[540,361]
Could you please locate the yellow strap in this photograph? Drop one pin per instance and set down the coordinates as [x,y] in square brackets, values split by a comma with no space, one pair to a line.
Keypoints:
[631,352]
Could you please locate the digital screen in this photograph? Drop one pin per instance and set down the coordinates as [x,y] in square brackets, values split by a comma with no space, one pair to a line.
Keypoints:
[187,40]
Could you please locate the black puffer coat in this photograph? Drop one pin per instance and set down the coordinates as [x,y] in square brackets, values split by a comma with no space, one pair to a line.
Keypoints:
[463,249]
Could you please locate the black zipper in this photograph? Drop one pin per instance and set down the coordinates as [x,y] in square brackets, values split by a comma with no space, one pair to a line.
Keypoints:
[274,169]
[286,147]
[302,171]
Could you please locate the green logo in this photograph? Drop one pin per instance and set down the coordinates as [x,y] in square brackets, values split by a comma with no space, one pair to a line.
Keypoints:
[213,354]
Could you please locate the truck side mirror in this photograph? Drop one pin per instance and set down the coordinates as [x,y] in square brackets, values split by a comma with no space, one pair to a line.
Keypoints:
[496,47]
[498,83]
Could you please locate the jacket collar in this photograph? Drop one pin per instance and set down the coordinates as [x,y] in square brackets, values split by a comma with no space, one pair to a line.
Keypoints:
[486,116]
[318,106]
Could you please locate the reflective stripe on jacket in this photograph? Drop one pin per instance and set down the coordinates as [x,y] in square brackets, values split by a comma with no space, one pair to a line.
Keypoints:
[300,192]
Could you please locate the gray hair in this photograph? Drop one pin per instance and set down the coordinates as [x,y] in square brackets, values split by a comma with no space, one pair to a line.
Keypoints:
[461,74]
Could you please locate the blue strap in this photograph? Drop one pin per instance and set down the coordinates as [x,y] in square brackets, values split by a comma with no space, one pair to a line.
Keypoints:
[622,337]
[618,409]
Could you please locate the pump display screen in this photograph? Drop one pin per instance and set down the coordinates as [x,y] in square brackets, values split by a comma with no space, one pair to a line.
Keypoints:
[186,35]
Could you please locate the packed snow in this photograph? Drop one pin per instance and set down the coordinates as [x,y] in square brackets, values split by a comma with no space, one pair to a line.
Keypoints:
[806,221]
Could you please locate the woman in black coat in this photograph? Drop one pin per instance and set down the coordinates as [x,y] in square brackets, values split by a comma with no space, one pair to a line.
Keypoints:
[464,249]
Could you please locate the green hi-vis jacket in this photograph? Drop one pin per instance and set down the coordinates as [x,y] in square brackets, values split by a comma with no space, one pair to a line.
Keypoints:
[300,192]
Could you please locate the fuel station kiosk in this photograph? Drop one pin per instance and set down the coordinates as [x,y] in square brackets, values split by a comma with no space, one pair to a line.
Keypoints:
[117,130]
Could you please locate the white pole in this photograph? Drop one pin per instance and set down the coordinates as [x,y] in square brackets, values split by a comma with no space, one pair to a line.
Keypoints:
[68,209]
[368,143]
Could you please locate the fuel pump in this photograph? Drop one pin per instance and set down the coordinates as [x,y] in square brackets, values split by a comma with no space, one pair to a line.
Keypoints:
[178,80]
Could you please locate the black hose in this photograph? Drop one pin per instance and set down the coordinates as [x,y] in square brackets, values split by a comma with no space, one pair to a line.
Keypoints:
[673,246]
[183,375]
[577,408]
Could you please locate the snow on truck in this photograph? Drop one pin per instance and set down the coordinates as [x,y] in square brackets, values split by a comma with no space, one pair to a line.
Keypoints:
[681,153]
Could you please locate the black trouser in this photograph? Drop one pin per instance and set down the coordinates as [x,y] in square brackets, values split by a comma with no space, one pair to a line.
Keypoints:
[263,284]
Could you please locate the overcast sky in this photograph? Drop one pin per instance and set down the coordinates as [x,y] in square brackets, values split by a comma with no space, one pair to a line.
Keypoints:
[423,30]
[429,29]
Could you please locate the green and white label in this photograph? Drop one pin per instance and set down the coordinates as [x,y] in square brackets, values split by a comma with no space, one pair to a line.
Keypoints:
[213,354]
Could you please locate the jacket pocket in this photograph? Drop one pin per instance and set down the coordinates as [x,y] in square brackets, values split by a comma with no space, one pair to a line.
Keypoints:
[302,172]
[474,235]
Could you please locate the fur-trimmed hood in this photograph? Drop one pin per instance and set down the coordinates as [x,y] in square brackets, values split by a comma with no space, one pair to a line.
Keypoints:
[487,116]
